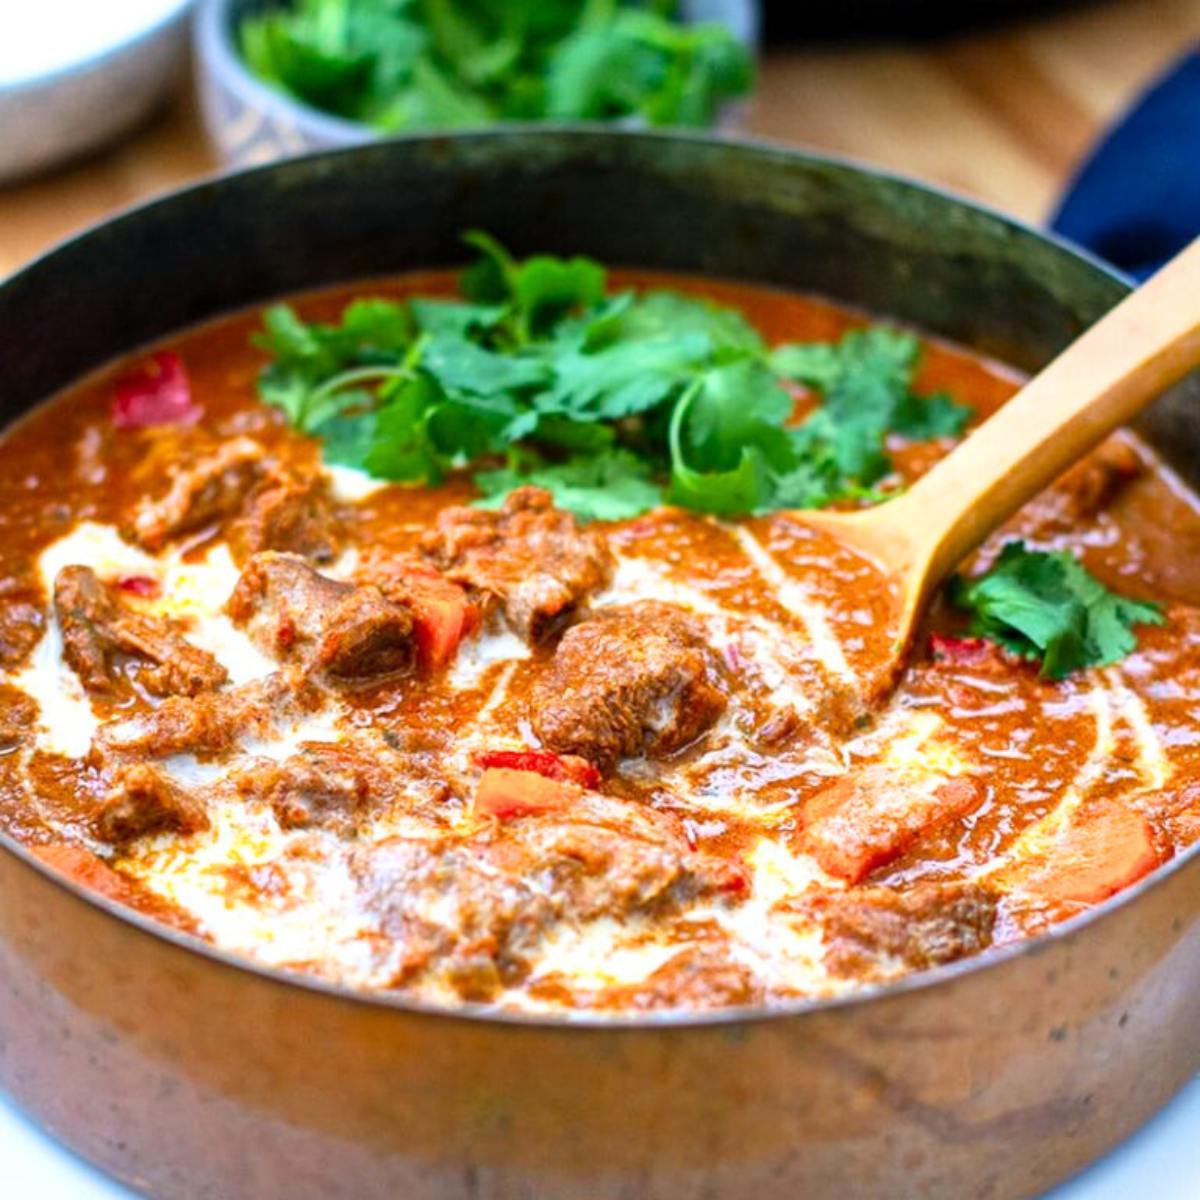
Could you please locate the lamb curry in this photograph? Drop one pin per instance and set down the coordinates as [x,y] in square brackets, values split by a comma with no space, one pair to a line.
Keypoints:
[446,645]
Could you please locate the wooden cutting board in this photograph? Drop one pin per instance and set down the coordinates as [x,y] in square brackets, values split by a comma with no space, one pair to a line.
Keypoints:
[1003,115]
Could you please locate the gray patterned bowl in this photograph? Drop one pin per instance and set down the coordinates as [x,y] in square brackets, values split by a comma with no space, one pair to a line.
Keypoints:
[111,78]
[249,122]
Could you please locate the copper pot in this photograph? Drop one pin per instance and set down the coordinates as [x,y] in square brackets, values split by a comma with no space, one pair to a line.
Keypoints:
[191,1074]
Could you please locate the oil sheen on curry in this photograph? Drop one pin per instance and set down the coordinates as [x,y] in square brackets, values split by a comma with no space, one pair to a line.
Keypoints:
[429,645]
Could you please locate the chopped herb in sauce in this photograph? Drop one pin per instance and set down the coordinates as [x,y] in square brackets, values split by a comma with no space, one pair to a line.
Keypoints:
[1047,606]
[411,64]
[614,403]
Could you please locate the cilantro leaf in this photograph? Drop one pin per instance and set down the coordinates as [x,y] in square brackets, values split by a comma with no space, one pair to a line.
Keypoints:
[727,439]
[624,378]
[537,292]
[1047,605]
[644,63]
[465,369]
[313,363]
[405,64]
[537,367]
[608,486]
[920,418]
[865,381]
[670,314]
[454,317]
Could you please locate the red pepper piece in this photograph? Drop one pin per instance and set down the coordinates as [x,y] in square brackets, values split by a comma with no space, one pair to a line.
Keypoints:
[157,393]
[139,585]
[962,652]
[567,767]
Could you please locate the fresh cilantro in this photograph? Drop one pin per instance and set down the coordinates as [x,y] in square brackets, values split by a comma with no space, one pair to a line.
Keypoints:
[728,440]
[865,380]
[607,486]
[1046,605]
[919,418]
[407,64]
[613,402]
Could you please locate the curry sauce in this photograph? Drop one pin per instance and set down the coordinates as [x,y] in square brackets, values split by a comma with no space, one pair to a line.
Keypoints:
[369,732]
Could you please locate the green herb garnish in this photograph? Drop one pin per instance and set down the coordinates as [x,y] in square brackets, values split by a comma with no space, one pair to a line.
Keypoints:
[612,402]
[409,64]
[1046,605]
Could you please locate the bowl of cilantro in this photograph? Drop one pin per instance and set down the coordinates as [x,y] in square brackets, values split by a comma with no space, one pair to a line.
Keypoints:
[283,77]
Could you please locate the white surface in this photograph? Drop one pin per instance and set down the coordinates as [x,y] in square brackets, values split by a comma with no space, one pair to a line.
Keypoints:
[1159,1161]
[52,35]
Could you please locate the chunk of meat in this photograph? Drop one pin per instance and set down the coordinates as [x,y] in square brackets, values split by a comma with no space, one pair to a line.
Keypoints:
[863,820]
[1079,496]
[283,602]
[473,909]
[1176,811]
[326,785]
[597,861]
[97,628]
[1093,482]
[1096,854]
[142,800]
[366,638]
[442,613]
[209,724]
[873,932]
[22,621]
[442,907]
[209,491]
[18,717]
[349,634]
[287,512]
[638,679]
[530,556]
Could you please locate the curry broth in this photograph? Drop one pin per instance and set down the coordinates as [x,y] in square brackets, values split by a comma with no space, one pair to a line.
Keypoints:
[977,778]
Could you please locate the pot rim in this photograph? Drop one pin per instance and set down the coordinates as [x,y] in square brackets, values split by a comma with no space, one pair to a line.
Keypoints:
[589,1020]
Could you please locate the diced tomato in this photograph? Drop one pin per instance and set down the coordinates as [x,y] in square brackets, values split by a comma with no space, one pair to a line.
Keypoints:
[962,652]
[442,614]
[139,585]
[504,792]
[440,624]
[859,823]
[732,877]
[157,393]
[285,634]
[1096,856]
[569,767]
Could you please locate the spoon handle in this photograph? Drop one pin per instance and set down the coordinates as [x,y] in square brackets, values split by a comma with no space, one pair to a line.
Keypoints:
[1141,347]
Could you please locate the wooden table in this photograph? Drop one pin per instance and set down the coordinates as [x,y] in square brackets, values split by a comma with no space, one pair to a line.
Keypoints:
[1003,115]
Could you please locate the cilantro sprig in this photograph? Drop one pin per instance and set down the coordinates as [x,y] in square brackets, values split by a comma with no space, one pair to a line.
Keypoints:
[408,64]
[1046,605]
[615,403]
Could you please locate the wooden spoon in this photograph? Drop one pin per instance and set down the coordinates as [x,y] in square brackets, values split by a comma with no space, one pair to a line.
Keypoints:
[1145,344]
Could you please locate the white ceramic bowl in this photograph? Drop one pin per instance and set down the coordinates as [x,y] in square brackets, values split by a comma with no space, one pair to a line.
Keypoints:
[75,74]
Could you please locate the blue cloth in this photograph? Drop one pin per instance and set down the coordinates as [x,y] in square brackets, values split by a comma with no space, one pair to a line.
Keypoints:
[1136,202]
